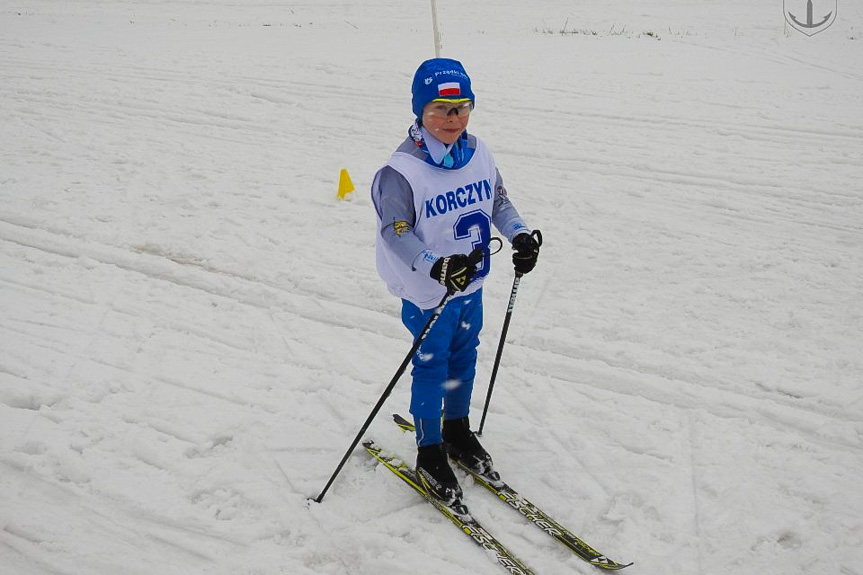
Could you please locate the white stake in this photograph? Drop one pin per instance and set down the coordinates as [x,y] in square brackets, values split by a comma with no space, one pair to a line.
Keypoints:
[437,44]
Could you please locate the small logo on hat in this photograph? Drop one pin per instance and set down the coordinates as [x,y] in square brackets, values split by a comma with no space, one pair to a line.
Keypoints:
[448,89]
[428,81]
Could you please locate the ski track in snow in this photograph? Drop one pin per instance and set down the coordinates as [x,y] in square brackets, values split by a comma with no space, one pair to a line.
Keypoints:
[193,330]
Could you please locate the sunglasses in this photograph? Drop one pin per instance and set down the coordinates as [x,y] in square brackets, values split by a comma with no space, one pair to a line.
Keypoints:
[443,109]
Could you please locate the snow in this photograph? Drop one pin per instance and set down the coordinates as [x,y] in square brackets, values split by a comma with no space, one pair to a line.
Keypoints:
[193,329]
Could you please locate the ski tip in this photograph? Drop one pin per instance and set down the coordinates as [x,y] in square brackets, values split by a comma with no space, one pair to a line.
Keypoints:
[609,565]
[371,446]
[403,423]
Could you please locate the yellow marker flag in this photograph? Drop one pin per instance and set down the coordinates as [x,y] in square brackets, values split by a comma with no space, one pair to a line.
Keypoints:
[346,186]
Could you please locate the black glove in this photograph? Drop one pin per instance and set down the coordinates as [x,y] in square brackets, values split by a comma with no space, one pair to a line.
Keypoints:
[455,272]
[526,248]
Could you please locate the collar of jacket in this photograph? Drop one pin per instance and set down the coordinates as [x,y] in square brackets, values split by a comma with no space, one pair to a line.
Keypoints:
[449,157]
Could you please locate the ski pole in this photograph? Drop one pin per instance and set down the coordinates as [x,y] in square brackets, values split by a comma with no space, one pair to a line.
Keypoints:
[434,317]
[474,258]
[538,237]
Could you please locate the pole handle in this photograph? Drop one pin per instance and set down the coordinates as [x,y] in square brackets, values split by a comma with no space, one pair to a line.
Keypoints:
[537,235]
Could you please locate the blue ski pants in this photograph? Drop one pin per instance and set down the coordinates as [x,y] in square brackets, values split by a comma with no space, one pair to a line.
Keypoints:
[444,366]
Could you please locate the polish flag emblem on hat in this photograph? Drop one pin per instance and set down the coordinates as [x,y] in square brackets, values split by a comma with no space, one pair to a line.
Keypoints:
[448,89]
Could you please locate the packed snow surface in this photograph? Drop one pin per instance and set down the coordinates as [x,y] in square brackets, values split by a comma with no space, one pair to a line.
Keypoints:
[192,329]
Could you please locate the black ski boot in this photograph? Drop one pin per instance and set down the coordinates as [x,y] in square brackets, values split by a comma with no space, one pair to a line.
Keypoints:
[436,475]
[464,447]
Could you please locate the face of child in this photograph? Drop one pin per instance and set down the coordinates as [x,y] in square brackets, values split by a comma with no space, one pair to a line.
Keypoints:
[446,121]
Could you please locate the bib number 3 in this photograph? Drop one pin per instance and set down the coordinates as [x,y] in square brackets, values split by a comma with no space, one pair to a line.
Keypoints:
[476,226]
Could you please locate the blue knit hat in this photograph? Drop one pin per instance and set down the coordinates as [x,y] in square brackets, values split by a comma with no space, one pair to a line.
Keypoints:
[439,78]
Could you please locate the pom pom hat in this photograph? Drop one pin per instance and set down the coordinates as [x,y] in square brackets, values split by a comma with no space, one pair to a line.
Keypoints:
[440,79]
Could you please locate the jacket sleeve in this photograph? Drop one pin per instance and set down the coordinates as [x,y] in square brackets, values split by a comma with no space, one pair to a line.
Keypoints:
[394,201]
[504,215]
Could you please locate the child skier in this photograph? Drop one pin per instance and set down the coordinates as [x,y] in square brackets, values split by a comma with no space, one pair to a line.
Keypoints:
[436,200]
